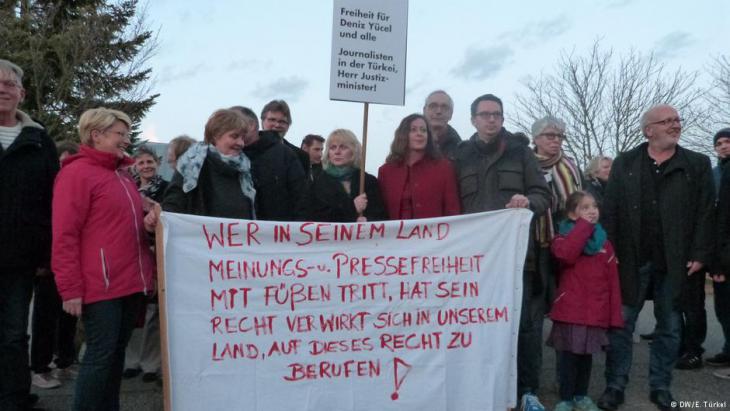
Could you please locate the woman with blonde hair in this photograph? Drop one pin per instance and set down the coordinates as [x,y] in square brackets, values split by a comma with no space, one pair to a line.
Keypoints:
[335,192]
[597,176]
[101,256]
[415,180]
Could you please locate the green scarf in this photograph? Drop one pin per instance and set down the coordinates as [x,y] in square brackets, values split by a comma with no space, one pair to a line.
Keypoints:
[594,243]
[340,173]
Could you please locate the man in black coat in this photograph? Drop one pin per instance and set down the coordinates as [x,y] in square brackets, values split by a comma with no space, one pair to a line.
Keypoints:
[28,166]
[721,272]
[276,116]
[659,214]
[280,181]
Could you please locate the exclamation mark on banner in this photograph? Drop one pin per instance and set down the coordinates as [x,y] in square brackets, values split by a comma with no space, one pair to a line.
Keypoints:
[405,368]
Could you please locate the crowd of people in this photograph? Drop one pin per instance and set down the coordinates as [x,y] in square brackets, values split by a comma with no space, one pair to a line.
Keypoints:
[77,224]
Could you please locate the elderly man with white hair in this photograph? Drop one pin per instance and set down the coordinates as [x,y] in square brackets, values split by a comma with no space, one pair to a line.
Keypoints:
[28,166]
[438,109]
[659,214]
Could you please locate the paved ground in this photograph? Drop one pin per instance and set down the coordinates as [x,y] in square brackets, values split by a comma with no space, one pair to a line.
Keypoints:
[697,385]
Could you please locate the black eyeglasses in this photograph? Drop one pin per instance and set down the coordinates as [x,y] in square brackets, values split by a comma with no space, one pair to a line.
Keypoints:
[667,121]
[553,136]
[277,121]
[486,115]
[9,84]
[434,106]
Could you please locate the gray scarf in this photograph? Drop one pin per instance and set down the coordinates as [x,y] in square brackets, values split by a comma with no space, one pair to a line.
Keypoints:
[191,162]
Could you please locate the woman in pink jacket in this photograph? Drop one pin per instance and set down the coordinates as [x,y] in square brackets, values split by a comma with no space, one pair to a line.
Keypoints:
[101,256]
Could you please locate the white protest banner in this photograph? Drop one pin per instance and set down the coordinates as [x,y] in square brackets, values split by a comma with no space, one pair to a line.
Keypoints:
[398,315]
[369,51]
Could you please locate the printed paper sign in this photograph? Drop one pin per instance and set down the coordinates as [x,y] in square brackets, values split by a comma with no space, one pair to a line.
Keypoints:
[398,315]
[369,51]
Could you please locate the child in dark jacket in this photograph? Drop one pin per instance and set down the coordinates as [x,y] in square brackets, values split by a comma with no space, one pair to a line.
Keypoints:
[588,299]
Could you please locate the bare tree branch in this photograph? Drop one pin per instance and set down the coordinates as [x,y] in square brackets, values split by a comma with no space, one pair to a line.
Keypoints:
[601,98]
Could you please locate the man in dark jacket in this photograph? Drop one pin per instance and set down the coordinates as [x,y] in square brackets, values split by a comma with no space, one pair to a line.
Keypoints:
[694,316]
[659,214]
[313,145]
[495,172]
[28,166]
[276,116]
[280,181]
[438,109]
[721,274]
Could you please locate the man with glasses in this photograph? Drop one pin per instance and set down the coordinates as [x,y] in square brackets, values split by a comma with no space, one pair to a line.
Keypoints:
[277,117]
[278,176]
[659,214]
[28,166]
[438,109]
[496,171]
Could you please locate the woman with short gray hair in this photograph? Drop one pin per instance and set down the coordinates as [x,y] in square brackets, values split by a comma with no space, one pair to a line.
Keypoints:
[563,178]
[562,175]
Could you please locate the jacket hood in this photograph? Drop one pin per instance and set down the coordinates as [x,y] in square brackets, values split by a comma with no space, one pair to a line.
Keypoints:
[104,159]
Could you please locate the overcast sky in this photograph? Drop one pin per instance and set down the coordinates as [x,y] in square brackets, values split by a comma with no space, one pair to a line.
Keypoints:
[222,53]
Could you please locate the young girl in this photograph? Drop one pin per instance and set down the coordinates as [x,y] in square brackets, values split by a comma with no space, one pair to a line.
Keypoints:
[588,300]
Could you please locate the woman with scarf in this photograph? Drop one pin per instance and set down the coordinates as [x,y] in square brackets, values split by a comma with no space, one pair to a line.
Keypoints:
[563,178]
[415,181]
[146,165]
[213,178]
[143,350]
[335,192]
[101,255]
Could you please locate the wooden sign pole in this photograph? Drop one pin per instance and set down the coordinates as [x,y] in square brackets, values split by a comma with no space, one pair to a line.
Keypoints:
[162,303]
[364,147]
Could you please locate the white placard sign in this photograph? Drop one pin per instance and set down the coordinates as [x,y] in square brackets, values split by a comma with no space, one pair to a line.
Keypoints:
[399,315]
[369,51]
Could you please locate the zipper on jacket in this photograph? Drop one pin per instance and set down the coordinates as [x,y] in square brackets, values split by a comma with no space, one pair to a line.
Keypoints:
[136,229]
[104,268]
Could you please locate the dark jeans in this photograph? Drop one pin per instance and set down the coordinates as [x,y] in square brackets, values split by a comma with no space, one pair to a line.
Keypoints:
[722,310]
[16,289]
[529,343]
[108,326]
[53,329]
[694,316]
[664,347]
[575,374]
[547,269]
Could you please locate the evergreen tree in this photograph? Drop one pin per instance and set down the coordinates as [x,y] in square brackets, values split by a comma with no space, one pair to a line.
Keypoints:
[77,55]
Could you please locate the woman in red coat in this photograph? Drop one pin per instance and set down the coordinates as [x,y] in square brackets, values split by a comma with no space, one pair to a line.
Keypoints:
[101,256]
[415,181]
